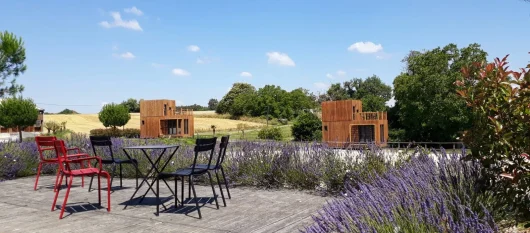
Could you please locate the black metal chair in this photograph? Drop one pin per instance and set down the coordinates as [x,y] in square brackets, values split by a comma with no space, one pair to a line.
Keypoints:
[201,145]
[105,141]
[219,166]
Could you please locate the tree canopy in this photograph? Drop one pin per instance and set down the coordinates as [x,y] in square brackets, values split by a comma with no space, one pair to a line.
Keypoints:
[132,104]
[212,104]
[12,57]
[428,106]
[372,91]
[18,113]
[114,115]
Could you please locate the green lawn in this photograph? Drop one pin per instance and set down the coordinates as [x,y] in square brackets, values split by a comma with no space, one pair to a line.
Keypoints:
[251,134]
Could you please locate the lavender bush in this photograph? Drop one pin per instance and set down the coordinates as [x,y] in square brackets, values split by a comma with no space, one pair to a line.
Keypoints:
[264,164]
[420,195]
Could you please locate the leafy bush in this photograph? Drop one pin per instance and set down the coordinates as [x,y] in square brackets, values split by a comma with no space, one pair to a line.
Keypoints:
[128,132]
[114,115]
[307,127]
[17,112]
[421,195]
[499,99]
[396,135]
[273,133]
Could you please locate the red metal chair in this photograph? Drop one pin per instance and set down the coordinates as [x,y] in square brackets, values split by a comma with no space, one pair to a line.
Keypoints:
[45,143]
[65,161]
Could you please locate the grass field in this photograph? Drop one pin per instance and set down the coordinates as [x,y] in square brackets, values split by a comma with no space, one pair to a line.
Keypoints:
[83,123]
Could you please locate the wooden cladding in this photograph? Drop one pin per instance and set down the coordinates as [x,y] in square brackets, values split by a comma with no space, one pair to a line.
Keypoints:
[344,122]
[162,118]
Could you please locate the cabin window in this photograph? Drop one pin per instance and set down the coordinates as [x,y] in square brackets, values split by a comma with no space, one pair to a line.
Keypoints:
[382,133]
[186,126]
[325,128]
[143,122]
[165,109]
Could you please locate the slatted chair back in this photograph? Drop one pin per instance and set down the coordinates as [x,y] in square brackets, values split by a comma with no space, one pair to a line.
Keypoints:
[222,150]
[45,143]
[203,145]
[62,152]
[101,141]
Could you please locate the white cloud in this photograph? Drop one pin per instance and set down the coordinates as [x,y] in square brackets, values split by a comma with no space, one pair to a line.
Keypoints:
[245,74]
[194,48]
[119,22]
[180,72]
[133,10]
[321,86]
[281,59]
[328,75]
[157,65]
[126,55]
[365,47]
[341,73]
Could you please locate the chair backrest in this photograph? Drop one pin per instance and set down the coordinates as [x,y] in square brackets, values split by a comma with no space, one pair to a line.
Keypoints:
[222,150]
[61,151]
[44,143]
[203,145]
[101,141]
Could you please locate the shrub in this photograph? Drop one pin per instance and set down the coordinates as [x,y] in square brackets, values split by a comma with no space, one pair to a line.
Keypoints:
[307,127]
[499,99]
[114,115]
[421,195]
[131,133]
[111,132]
[273,133]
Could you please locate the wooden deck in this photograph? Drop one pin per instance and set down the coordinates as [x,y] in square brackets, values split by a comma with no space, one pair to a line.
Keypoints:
[250,210]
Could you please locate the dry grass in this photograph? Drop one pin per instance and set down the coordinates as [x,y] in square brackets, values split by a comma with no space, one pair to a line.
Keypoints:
[83,123]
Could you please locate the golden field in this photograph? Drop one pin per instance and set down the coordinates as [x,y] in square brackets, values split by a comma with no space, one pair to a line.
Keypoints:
[83,123]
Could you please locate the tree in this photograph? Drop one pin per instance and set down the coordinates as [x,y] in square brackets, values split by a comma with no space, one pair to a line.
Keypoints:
[18,113]
[307,127]
[212,104]
[51,126]
[428,106]
[132,104]
[12,57]
[372,91]
[237,89]
[114,115]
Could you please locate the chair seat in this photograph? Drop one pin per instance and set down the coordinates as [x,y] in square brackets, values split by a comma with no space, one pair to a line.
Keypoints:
[56,160]
[109,161]
[205,166]
[83,171]
[182,172]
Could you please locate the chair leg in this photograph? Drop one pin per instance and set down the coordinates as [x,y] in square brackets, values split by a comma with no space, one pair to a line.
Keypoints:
[66,197]
[57,193]
[38,174]
[136,175]
[82,177]
[176,192]
[182,191]
[226,183]
[92,178]
[220,187]
[108,190]
[213,189]
[99,189]
[195,197]
[121,175]
[157,196]
[113,173]
[57,182]
[189,187]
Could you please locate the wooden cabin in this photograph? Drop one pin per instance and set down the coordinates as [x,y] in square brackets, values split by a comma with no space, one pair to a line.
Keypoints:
[159,118]
[345,124]
[35,128]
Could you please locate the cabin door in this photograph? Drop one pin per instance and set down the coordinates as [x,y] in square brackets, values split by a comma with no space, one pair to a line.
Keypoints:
[366,133]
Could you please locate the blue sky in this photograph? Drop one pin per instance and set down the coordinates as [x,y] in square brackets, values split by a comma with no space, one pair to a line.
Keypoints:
[81,54]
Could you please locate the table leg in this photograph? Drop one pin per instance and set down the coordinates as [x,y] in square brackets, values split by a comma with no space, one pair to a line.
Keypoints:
[159,171]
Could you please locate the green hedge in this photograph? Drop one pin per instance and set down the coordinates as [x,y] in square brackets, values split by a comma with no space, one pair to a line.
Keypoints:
[273,133]
[128,133]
